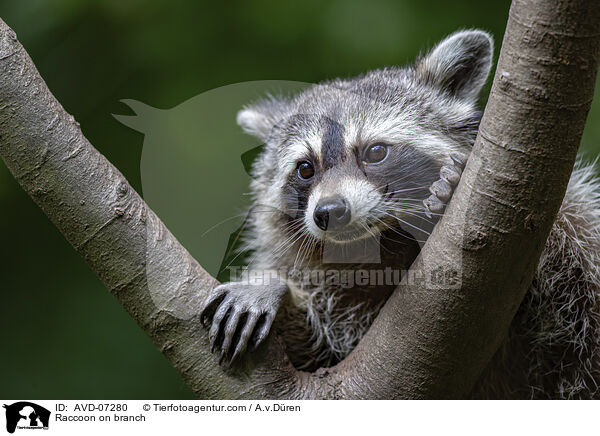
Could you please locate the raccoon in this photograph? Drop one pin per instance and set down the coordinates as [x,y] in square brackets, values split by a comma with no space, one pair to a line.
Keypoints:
[353,176]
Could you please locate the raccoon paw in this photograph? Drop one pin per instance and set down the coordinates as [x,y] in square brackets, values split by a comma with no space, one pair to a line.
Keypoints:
[443,188]
[239,315]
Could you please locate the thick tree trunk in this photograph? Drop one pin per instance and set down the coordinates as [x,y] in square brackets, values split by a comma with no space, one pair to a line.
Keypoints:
[428,341]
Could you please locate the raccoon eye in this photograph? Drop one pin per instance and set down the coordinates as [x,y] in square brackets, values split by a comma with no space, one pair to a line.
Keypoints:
[376,153]
[305,170]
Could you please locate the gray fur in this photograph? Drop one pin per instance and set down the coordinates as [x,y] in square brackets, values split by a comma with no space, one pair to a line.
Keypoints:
[427,118]
[553,347]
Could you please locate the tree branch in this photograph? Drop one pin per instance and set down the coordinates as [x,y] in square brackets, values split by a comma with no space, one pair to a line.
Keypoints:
[428,342]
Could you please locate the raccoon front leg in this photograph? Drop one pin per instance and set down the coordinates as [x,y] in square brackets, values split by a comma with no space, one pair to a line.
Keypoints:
[443,188]
[240,314]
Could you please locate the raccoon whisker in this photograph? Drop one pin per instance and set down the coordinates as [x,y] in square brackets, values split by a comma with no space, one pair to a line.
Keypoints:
[389,227]
[271,207]
[294,222]
[414,196]
[403,191]
[311,247]
[276,210]
[236,256]
[237,238]
[402,205]
[403,178]
[277,256]
[232,260]
[417,213]
[282,246]
[264,205]
[280,250]
[272,210]
[306,250]
[306,236]
[396,199]
[387,237]
[405,206]
[408,189]
[222,222]
[300,233]
[369,231]
[384,235]
[289,226]
[408,224]
[405,199]
[413,237]
[412,214]
[292,226]
[400,179]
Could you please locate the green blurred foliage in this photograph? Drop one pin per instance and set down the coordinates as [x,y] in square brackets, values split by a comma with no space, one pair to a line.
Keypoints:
[62,334]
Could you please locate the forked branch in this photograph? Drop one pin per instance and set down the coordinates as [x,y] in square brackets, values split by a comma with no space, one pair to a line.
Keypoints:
[428,342]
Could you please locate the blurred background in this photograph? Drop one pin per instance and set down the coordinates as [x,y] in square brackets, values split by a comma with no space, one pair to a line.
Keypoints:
[62,334]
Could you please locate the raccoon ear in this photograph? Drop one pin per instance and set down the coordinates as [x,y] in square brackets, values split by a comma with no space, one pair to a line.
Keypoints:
[258,119]
[459,64]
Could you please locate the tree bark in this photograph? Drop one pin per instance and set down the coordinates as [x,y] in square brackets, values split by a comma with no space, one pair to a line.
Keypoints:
[428,341]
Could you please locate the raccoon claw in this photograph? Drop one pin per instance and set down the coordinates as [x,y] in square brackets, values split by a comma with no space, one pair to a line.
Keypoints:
[433,205]
[442,189]
[459,161]
[238,315]
[451,174]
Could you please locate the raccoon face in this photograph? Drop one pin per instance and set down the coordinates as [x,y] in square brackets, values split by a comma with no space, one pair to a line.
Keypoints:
[349,186]
[347,159]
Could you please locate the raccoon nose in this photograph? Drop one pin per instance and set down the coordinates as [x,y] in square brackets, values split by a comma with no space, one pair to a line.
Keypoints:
[332,213]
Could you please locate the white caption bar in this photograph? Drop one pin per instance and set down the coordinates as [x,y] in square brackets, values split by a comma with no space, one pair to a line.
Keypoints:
[161,417]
